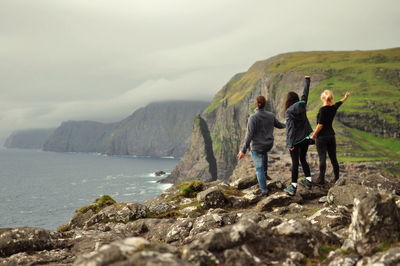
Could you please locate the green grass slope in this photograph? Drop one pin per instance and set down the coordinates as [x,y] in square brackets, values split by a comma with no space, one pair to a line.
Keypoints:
[373,78]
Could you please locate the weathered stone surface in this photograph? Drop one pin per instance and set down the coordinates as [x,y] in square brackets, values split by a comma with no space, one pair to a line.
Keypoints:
[238,202]
[314,192]
[332,217]
[180,230]
[345,195]
[375,219]
[337,258]
[211,198]
[160,207]
[44,257]
[389,257]
[274,200]
[118,213]
[27,239]
[210,221]
[245,182]
[112,253]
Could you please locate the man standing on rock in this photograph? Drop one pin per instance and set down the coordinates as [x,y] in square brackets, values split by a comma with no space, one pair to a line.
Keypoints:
[260,138]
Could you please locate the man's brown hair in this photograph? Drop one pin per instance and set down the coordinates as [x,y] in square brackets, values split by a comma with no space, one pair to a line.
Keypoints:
[260,101]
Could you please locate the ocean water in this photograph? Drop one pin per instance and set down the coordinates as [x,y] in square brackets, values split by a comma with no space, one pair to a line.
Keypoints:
[43,189]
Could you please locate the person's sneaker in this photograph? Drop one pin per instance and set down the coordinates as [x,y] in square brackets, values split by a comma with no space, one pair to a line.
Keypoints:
[320,182]
[306,183]
[291,190]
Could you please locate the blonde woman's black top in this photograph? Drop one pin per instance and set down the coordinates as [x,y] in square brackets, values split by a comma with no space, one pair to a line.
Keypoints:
[325,117]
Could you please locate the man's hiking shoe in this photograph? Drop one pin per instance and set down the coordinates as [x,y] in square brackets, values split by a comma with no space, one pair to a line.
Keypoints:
[306,183]
[291,190]
[264,193]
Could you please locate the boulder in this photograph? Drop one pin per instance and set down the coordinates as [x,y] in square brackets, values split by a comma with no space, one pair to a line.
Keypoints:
[389,257]
[160,208]
[245,182]
[274,200]
[375,219]
[210,221]
[27,239]
[211,198]
[118,213]
[332,217]
[131,251]
[160,173]
[345,195]
[179,230]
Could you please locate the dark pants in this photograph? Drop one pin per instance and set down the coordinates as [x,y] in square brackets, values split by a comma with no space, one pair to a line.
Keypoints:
[327,144]
[299,154]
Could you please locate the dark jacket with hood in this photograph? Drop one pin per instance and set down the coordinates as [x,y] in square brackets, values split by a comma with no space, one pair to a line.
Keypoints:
[260,129]
[298,127]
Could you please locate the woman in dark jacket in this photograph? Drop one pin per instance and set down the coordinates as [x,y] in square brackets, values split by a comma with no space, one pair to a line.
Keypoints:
[325,135]
[298,131]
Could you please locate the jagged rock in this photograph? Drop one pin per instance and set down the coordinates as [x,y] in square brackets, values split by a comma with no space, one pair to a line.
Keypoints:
[259,244]
[375,219]
[211,198]
[45,257]
[210,221]
[389,257]
[160,207]
[118,213]
[337,258]
[27,239]
[331,217]
[238,202]
[112,253]
[159,173]
[245,182]
[252,215]
[131,251]
[314,192]
[274,200]
[345,195]
[295,207]
[252,194]
[180,230]
[80,218]
[151,229]
[270,222]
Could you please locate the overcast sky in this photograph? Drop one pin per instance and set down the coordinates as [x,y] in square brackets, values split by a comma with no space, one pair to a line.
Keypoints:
[100,59]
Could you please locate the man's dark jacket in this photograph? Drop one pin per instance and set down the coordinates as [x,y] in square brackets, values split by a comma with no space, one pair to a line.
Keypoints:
[260,129]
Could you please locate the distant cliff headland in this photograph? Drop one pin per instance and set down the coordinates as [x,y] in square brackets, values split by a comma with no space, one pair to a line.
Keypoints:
[28,139]
[159,129]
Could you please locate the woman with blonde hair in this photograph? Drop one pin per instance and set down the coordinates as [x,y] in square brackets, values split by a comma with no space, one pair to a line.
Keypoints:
[325,135]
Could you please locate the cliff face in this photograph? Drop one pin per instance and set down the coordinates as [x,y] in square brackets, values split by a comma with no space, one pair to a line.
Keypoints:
[79,136]
[159,129]
[367,74]
[199,162]
[28,139]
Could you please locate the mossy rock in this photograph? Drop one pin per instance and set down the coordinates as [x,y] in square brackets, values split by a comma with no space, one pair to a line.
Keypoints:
[97,205]
[63,228]
[191,188]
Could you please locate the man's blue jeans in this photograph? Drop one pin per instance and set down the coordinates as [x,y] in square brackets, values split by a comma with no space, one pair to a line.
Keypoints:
[260,160]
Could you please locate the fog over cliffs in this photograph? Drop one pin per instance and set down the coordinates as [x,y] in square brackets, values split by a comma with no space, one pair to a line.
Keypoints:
[28,139]
[159,129]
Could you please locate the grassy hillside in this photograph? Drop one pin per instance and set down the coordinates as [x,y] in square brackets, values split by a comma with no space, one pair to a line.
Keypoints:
[373,78]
